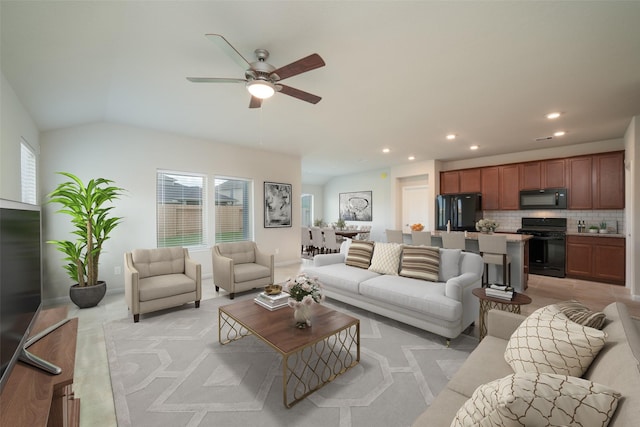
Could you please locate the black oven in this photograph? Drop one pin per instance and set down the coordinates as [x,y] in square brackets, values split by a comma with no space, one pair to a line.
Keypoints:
[547,247]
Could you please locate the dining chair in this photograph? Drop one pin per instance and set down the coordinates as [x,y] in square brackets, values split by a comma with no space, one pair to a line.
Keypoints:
[493,250]
[394,236]
[317,240]
[305,239]
[331,243]
[419,238]
[454,240]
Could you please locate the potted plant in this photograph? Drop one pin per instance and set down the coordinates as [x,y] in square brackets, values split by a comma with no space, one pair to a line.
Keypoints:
[93,222]
[603,227]
[593,229]
[340,224]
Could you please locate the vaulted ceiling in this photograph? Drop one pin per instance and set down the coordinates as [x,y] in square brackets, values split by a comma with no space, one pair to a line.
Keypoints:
[399,74]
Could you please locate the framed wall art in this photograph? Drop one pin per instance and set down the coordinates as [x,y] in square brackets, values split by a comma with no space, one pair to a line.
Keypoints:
[356,206]
[277,205]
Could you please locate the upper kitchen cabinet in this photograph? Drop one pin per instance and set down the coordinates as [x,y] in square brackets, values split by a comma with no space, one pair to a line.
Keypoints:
[579,180]
[460,181]
[490,188]
[509,187]
[542,174]
[608,180]
[470,181]
[449,182]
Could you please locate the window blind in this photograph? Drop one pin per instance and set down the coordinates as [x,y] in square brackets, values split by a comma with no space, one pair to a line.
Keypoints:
[180,209]
[233,218]
[28,173]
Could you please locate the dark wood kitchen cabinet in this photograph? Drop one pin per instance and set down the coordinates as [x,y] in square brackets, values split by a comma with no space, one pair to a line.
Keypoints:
[543,174]
[460,181]
[608,180]
[579,180]
[490,188]
[600,258]
[509,187]
[449,182]
[470,181]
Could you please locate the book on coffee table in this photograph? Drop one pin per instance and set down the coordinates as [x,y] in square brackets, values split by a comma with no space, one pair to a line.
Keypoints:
[272,302]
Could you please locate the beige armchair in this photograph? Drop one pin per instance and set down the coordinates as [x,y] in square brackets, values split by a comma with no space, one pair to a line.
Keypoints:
[240,266]
[155,279]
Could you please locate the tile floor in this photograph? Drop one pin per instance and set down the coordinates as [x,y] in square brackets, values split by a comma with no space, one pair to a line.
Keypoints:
[92,381]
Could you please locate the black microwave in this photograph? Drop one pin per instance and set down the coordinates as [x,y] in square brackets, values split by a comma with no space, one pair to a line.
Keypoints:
[548,198]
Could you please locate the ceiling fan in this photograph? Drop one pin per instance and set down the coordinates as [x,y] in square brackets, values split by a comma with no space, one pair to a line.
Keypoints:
[261,78]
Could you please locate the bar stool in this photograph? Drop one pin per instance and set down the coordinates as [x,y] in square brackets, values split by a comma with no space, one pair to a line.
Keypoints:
[394,236]
[493,250]
[454,240]
[421,238]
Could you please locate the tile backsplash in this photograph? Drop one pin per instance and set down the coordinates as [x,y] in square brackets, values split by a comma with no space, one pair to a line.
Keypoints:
[512,220]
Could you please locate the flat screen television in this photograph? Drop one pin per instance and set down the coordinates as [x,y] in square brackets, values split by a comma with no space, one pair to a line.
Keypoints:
[20,287]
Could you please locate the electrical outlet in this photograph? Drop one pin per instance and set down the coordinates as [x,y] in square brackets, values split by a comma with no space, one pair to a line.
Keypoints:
[117,271]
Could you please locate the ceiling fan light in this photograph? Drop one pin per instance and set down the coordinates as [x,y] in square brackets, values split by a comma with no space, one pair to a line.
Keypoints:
[261,89]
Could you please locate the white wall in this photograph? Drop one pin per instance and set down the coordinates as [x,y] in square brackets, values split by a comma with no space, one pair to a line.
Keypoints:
[632,211]
[15,124]
[378,182]
[130,156]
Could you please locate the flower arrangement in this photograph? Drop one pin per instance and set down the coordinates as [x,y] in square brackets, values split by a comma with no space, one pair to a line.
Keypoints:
[303,291]
[486,225]
[417,227]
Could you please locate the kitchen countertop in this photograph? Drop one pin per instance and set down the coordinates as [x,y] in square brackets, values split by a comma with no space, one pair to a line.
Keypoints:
[575,233]
[511,237]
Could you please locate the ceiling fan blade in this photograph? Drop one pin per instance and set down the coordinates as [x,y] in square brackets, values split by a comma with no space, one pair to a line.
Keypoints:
[229,50]
[255,102]
[297,93]
[300,66]
[214,80]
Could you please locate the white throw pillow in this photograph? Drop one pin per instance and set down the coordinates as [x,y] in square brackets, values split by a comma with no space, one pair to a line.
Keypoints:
[533,399]
[386,258]
[547,341]
[449,263]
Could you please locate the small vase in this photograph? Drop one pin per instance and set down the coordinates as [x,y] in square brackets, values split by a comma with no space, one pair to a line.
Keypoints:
[302,316]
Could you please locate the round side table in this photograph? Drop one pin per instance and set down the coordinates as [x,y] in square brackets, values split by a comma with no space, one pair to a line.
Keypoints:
[487,303]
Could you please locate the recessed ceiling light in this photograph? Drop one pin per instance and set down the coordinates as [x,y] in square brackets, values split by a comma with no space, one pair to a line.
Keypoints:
[559,133]
[385,150]
[552,116]
[451,136]
[474,147]
[412,157]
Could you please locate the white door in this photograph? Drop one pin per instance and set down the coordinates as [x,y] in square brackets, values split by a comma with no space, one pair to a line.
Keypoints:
[414,206]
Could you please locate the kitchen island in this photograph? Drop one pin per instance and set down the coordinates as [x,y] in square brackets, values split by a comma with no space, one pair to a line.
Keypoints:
[517,249]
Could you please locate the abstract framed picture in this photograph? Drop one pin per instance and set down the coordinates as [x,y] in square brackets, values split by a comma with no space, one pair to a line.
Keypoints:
[356,206]
[277,205]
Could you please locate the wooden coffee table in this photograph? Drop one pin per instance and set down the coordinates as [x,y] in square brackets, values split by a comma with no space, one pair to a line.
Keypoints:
[487,303]
[311,357]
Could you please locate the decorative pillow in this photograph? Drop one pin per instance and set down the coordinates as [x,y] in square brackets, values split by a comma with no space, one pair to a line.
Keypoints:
[538,400]
[547,341]
[386,258]
[449,264]
[420,262]
[580,313]
[359,254]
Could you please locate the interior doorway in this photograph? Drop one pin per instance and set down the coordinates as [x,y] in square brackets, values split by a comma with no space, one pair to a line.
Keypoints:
[414,206]
[306,204]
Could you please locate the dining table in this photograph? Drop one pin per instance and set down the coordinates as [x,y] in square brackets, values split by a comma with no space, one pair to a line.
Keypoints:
[347,233]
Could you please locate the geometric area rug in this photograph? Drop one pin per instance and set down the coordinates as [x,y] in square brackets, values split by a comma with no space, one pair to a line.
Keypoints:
[170,370]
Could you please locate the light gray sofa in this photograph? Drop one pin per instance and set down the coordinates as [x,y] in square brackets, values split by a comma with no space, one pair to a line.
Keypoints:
[616,366]
[445,308]
[155,279]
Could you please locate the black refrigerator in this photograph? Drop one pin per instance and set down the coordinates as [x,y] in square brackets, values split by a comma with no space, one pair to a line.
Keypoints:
[463,210]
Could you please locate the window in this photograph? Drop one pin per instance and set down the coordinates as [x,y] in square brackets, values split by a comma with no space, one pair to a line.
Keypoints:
[180,211]
[28,173]
[233,220]
[307,210]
